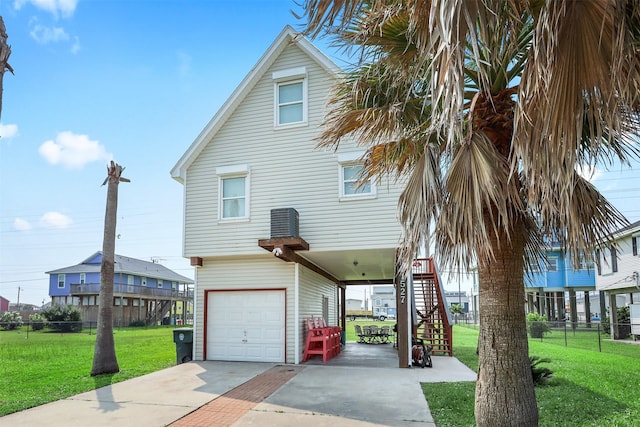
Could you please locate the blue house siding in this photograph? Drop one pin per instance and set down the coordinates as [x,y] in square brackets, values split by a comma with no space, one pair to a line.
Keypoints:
[563,276]
[137,292]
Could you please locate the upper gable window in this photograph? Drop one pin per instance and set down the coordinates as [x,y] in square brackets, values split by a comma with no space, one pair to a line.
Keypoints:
[290,88]
[233,192]
[351,186]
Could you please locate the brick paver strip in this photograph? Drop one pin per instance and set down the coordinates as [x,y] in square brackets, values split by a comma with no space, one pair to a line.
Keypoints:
[228,408]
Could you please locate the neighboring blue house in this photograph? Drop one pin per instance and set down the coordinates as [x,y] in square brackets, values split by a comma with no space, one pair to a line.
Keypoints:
[143,291]
[546,289]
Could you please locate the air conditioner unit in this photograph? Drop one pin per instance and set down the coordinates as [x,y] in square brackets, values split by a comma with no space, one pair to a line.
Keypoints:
[284,223]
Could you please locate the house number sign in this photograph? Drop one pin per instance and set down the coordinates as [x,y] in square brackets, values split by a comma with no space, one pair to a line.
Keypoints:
[403,292]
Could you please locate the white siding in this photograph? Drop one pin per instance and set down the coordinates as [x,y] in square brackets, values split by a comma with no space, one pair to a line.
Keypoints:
[286,171]
[627,265]
[313,288]
[263,272]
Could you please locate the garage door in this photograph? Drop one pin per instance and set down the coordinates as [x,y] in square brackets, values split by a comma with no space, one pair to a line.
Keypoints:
[246,326]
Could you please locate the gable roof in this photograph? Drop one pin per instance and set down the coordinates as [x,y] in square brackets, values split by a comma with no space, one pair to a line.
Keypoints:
[286,37]
[635,226]
[125,265]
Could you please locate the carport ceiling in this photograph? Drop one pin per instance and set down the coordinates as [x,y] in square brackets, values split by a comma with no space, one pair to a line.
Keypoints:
[365,265]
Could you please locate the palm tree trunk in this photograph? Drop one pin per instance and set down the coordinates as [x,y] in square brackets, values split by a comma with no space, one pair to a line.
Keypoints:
[505,393]
[104,356]
[5,52]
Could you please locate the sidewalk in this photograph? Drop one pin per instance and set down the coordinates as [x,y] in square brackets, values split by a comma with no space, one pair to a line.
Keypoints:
[245,394]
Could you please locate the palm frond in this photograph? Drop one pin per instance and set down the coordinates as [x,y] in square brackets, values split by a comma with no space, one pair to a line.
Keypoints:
[419,204]
[582,78]
[477,184]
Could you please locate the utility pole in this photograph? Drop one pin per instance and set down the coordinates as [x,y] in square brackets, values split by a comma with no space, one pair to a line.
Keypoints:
[18,303]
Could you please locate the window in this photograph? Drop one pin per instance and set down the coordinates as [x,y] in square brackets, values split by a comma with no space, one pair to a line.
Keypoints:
[60,281]
[634,245]
[583,264]
[290,103]
[130,279]
[351,187]
[290,96]
[553,264]
[233,192]
[233,197]
[614,260]
[159,283]
[83,278]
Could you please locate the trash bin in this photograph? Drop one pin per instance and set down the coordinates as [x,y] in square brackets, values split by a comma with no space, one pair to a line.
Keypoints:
[183,337]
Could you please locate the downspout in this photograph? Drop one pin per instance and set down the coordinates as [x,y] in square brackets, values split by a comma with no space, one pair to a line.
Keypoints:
[296,310]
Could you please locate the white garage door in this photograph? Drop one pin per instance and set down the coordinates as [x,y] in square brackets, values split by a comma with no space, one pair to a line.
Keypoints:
[246,326]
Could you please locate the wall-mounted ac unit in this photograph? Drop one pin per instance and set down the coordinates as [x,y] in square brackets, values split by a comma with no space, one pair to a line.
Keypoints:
[284,223]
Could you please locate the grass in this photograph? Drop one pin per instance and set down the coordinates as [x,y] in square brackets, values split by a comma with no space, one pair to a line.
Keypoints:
[589,388]
[48,366]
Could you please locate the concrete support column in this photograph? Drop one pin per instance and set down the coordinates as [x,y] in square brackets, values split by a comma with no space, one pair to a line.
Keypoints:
[530,303]
[541,304]
[574,308]
[613,316]
[587,308]
[548,299]
[603,305]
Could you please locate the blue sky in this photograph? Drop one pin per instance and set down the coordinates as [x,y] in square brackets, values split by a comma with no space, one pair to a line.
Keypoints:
[133,81]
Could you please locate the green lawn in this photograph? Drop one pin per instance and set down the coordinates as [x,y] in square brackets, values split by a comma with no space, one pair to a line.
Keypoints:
[47,366]
[351,331]
[589,388]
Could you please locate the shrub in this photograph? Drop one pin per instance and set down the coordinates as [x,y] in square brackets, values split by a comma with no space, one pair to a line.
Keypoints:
[624,323]
[63,318]
[541,374]
[10,320]
[138,323]
[37,321]
[537,325]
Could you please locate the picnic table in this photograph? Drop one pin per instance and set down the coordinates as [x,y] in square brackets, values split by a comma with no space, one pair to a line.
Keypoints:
[373,334]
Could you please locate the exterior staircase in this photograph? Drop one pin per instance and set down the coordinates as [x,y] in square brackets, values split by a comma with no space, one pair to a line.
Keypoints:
[157,311]
[432,318]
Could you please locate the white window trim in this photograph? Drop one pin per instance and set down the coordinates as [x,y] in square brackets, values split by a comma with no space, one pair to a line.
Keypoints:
[63,277]
[83,278]
[353,159]
[557,264]
[234,171]
[290,76]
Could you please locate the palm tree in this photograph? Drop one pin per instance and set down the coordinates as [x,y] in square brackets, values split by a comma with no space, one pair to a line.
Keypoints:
[5,52]
[104,355]
[487,107]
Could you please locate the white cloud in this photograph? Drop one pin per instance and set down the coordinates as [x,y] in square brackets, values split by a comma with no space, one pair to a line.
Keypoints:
[55,220]
[21,224]
[8,131]
[44,35]
[590,173]
[73,151]
[55,7]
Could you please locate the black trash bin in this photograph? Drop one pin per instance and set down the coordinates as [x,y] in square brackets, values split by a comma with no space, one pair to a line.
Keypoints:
[183,337]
